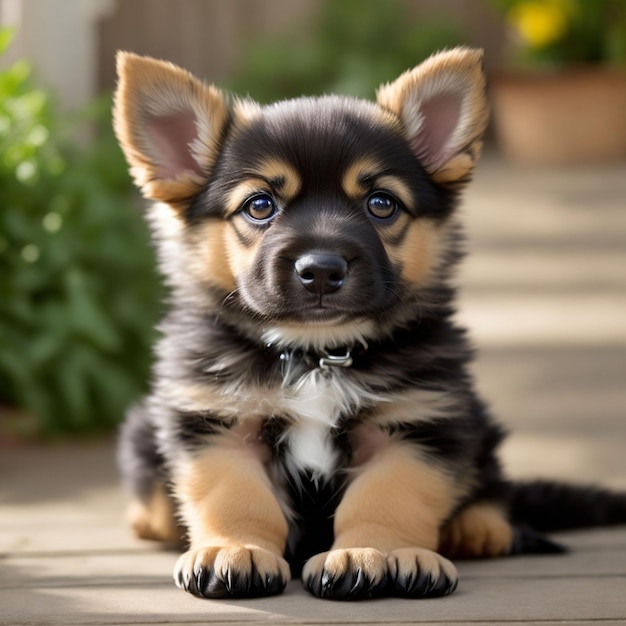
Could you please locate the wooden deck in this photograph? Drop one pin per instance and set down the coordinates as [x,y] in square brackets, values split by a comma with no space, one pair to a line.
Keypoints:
[545,295]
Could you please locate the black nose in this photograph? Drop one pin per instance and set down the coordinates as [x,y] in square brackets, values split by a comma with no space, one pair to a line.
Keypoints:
[321,272]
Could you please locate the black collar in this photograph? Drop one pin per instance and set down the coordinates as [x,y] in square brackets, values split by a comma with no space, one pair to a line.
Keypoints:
[325,358]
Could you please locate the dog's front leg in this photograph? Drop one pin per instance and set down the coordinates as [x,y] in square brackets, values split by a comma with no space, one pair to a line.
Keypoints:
[386,532]
[237,530]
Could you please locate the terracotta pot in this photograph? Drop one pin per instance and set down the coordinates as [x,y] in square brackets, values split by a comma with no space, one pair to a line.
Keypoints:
[567,117]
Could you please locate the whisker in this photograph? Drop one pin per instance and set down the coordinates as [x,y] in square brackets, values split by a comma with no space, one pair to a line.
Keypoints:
[225,302]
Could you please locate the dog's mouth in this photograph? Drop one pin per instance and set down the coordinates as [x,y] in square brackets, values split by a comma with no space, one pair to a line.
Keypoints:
[322,310]
[319,335]
[323,313]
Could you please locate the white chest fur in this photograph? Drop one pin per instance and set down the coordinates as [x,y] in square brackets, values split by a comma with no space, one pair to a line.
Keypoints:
[315,404]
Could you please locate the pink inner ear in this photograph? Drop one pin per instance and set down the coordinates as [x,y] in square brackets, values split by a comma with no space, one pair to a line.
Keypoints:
[440,119]
[171,136]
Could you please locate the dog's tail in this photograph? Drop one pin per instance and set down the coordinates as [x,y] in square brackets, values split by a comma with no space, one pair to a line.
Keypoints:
[550,506]
[546,506]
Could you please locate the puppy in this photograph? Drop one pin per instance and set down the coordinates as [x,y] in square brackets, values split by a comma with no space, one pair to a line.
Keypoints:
[312,412]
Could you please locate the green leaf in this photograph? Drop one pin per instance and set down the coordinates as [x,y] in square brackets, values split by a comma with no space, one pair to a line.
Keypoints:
[86,316]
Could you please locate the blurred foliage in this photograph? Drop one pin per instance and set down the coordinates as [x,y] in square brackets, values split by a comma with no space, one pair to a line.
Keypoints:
[78,291]
[560,32]
[348,47]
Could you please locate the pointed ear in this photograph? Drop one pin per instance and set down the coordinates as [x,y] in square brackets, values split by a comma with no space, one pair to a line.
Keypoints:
[442,105]
[169,125]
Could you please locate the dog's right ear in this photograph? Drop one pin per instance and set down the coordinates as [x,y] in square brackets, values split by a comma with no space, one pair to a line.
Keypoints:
[169,125]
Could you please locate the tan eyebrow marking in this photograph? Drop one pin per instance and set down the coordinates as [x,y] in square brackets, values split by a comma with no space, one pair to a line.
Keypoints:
[353,181]
[282,176]
[367,174]
[275,177]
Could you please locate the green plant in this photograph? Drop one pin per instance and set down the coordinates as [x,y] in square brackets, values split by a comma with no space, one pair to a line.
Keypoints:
[561,32]
[77,288]
[350,47]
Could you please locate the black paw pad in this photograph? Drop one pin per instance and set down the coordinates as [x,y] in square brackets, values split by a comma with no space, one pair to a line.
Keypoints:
[231,573]
[423,586]
[351,585]
[354,574]
[207,584]
[419,573]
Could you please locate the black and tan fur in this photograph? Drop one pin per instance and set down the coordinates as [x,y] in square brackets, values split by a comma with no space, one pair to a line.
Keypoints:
[291,235]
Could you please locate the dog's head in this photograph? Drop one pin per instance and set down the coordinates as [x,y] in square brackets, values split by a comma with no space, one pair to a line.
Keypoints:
[315,221]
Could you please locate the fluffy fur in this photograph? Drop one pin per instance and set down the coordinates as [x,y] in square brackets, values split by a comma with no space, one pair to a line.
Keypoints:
[311,405]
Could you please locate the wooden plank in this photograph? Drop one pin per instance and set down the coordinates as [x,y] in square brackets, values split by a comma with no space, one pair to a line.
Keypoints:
[499,600]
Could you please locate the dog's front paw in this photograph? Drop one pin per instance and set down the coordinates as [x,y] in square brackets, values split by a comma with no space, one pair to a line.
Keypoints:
[420,573]
[349,574]
[231,572]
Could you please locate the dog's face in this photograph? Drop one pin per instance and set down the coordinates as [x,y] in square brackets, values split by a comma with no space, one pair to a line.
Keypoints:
[317,221]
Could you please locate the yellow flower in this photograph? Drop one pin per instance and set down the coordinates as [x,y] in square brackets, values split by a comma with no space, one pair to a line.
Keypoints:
[539,22]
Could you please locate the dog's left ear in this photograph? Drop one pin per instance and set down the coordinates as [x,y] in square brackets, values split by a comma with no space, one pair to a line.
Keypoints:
[442,105]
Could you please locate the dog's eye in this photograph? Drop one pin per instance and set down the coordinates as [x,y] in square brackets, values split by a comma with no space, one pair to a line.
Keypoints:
[260,208]
[382,206]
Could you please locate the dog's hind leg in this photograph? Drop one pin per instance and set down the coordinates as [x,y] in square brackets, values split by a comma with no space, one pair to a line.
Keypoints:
[479,530]
[483,530]
[155,518]
[152,511]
